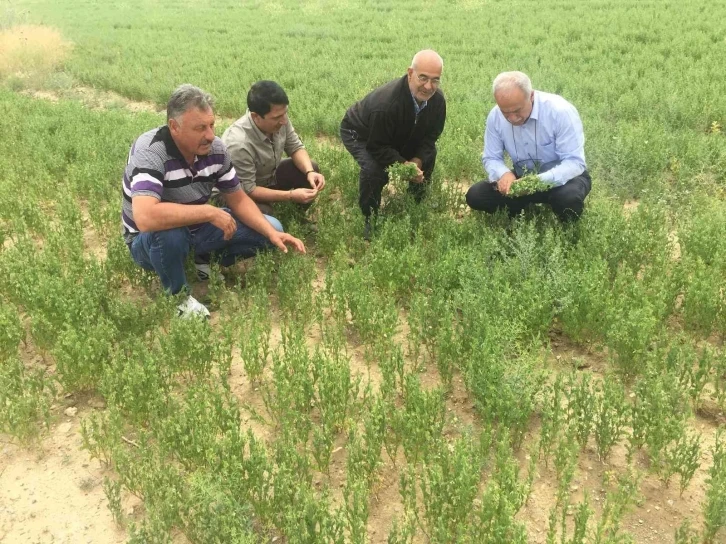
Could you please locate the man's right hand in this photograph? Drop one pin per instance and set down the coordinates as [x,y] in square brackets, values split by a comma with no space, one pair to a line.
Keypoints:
[505,182]
[303,196]
[224,222]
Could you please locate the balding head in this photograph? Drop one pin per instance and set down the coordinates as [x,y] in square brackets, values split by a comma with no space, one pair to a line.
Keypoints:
[424,74]
[428,59]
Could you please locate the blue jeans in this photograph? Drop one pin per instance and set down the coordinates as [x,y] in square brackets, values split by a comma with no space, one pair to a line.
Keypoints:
[166,251]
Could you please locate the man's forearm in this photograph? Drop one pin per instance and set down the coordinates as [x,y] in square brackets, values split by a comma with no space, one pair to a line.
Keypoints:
[265,195]
[302,161]
[563,172]
[495,169]
[168,215]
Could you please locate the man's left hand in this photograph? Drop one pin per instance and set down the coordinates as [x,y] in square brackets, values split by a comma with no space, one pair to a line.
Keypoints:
[316,180]
[419,172]
[281,239]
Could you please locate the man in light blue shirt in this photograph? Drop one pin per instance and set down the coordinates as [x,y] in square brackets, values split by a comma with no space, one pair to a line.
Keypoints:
[542,134]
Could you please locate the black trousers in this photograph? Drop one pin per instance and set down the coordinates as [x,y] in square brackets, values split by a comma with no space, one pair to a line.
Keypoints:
[567,200]
[373,177]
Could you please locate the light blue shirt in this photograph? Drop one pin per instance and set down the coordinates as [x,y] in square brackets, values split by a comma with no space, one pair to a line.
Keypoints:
[550,143]
[416,108]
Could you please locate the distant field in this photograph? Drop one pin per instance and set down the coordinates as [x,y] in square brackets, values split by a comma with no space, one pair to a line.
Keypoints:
[460,379]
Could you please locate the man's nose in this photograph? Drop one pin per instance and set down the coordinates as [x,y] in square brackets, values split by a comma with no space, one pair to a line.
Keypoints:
[209,134]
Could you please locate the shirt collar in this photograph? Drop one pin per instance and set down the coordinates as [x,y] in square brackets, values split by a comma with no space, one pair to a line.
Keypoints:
[535,107]
[164,135]
[416,107]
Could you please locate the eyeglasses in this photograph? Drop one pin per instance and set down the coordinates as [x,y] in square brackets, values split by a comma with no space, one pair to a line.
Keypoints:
[423,79]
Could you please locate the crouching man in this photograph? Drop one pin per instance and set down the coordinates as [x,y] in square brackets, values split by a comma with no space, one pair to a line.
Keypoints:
[169,177]
[542,133]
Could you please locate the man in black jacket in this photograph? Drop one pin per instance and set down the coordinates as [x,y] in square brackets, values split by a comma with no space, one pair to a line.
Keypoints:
[397,122]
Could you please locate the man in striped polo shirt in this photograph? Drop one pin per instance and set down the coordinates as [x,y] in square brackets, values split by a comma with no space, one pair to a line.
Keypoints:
[169,177]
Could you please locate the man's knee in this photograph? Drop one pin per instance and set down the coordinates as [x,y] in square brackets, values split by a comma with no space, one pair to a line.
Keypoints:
[177,240]
[480,197]
[275,223]
[373,178]
[568,201]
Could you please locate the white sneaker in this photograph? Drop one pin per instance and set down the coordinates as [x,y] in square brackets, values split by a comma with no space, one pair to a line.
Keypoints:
[204,272]
[191,307]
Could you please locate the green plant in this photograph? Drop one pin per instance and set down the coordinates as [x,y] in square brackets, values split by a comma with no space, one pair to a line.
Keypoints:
[112,489]
[25,399]
[580,406]
[611,413]
[399,173]
[714,509]
[527,185]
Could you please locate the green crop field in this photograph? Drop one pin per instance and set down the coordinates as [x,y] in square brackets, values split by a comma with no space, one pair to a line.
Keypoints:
[459,379]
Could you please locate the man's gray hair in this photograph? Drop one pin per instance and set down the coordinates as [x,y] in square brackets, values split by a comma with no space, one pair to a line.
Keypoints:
[510,80]
[185,97]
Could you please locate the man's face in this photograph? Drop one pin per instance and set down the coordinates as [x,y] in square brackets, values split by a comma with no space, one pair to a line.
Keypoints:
[193,132]
[273,121]
[424,80]
[515,105]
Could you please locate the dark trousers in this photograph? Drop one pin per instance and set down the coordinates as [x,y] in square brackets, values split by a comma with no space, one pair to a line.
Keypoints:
[287,177]
[567,201]
[373,177]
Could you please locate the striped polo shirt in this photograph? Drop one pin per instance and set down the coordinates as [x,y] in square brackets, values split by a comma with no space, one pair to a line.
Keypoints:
[156,167]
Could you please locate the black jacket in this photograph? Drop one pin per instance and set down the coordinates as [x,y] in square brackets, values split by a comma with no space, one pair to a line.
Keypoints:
[385,119]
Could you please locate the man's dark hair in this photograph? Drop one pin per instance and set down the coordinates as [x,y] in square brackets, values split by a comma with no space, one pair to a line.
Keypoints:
[263,95]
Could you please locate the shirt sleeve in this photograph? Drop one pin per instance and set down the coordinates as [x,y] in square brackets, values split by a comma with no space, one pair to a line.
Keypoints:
[382,127]
[243,164]
[227,180]
[569,147]
[292,140]
[493,154]
[146,174]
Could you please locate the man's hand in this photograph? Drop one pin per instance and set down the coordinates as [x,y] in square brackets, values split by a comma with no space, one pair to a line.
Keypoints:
[505,182]
[303,196]
[224,222]
[316,180]
[419,173]
[281,238]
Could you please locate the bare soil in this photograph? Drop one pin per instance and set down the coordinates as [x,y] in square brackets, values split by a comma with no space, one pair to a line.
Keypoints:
[52,492]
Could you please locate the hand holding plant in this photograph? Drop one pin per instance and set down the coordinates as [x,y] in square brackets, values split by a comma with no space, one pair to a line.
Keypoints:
[401,172]
[527,185]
